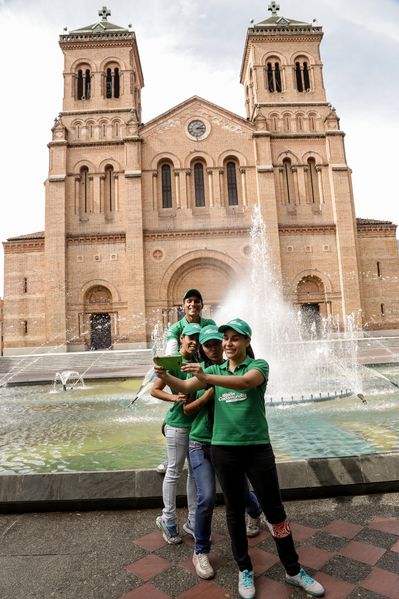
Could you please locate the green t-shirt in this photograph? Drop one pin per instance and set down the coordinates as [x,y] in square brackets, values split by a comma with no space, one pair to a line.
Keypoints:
[201,428]
[240,417]
[175,415]
[175,330]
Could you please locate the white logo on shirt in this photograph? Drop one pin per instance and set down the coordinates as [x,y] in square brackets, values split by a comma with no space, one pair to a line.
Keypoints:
[230,397]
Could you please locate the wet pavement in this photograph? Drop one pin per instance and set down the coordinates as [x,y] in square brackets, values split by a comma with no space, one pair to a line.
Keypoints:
[350,544]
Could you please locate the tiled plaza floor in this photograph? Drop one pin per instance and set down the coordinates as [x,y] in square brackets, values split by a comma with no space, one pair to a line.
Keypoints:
[351,545]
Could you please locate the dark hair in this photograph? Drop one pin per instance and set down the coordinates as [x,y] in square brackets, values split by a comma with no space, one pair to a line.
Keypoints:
[250,352]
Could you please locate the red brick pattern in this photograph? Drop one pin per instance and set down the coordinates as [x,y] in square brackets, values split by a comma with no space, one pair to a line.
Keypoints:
[156,570]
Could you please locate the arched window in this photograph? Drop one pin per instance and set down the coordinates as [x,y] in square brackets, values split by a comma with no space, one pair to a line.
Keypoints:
[274,122]
[199,184]
[109,190]
[166,180]
[313,182]
[287,122]
[112,82]
[83,84]
[84,191]
[302,76]
[312,121]
[288,181]
[273,72]
[232,191]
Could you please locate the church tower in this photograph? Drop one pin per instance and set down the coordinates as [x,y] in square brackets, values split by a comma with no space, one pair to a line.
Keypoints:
[300,155]
[93,241]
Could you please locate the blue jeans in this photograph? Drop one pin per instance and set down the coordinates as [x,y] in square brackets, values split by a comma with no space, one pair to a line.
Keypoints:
[204,475]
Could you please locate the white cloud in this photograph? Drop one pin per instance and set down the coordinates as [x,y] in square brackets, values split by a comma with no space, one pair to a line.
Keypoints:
[190,48]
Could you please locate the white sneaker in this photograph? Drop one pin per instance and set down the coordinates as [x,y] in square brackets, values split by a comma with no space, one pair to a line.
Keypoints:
[253,526]
[246,585]
[202,566]
[305,582]
[189,529]
[161,468]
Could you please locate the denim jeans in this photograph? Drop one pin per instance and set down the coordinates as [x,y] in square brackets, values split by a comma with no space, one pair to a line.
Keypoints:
[177,448]
[204,474]
[233,464]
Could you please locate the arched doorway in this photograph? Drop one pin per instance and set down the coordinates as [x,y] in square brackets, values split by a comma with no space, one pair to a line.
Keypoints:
[212,277]
[311,299]
[98,308]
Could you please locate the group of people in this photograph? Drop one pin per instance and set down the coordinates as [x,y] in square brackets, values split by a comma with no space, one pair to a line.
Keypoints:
[217,421]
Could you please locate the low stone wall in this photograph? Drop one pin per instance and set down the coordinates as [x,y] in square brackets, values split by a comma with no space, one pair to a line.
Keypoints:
[143,488]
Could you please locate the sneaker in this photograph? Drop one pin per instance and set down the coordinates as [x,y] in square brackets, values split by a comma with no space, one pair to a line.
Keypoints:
[253,526]
[169,533]
[161,468]
[246,585]
[202,566]
[189,529]
[305,582]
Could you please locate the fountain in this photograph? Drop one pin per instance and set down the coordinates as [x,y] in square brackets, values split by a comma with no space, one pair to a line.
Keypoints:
[305,365]
[68,379]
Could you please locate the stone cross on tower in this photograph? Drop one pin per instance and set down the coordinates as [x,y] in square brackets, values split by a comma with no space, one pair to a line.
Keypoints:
[273,7]
[104,13]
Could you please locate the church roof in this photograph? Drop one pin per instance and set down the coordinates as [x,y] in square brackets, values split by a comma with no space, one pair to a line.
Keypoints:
[100,27]
[39,235]
[373,221]
[277,21]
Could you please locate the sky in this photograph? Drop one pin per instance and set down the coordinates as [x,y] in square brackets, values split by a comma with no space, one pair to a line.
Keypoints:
[194,47]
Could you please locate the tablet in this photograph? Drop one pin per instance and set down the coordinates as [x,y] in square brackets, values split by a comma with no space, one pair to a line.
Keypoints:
[169,362]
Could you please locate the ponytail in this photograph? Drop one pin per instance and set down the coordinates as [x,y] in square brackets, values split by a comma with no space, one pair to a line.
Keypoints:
[250,352]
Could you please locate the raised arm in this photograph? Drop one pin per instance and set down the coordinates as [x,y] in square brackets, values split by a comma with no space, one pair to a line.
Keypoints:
[252,378]
[183,386]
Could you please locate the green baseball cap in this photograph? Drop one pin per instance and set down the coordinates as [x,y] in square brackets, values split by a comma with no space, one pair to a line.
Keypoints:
[238,325]
[193,328]
[191,292]
[208,333]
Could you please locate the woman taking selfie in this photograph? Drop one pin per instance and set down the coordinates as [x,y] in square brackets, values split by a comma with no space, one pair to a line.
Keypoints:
[241,448]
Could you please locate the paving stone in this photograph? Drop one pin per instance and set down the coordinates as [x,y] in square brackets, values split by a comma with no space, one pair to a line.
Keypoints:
[301,532]
[314,520]
[376,537]
[326,541]
[395,547]
[390,525]
[148,567]
[383,582]
[205,590]
[335,588]
[269,545]
[313,556]
[261,560]
[390,561]
[176,581]
[267,588]
[147,591]
[346,569]
[343,528]
[362,552]
[151,541]
[360,593]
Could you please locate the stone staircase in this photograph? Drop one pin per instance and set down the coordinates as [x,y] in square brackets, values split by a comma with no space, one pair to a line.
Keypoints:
[97,364]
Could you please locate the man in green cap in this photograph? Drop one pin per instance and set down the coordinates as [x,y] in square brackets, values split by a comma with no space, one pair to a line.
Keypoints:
[192,305]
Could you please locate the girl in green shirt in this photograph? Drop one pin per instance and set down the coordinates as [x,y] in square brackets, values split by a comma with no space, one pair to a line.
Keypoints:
[241,448]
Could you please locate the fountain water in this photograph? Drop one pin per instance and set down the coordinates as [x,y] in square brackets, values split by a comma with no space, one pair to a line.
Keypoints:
[305,364]
[68,379]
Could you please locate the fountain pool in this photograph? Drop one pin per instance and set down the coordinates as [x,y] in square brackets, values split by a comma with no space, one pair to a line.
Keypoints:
[93,429]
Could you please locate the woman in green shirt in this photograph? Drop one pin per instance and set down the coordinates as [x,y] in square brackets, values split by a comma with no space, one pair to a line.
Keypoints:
[241,448]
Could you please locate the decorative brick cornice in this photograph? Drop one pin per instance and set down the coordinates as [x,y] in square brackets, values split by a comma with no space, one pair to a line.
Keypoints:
[92,238]
[86,144]
[23,246]
[165,235]
[307,229]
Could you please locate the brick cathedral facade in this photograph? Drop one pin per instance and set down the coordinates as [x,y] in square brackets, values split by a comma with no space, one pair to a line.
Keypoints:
[138,213]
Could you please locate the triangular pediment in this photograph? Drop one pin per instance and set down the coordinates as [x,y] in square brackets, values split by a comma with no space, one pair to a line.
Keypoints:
[196,107]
